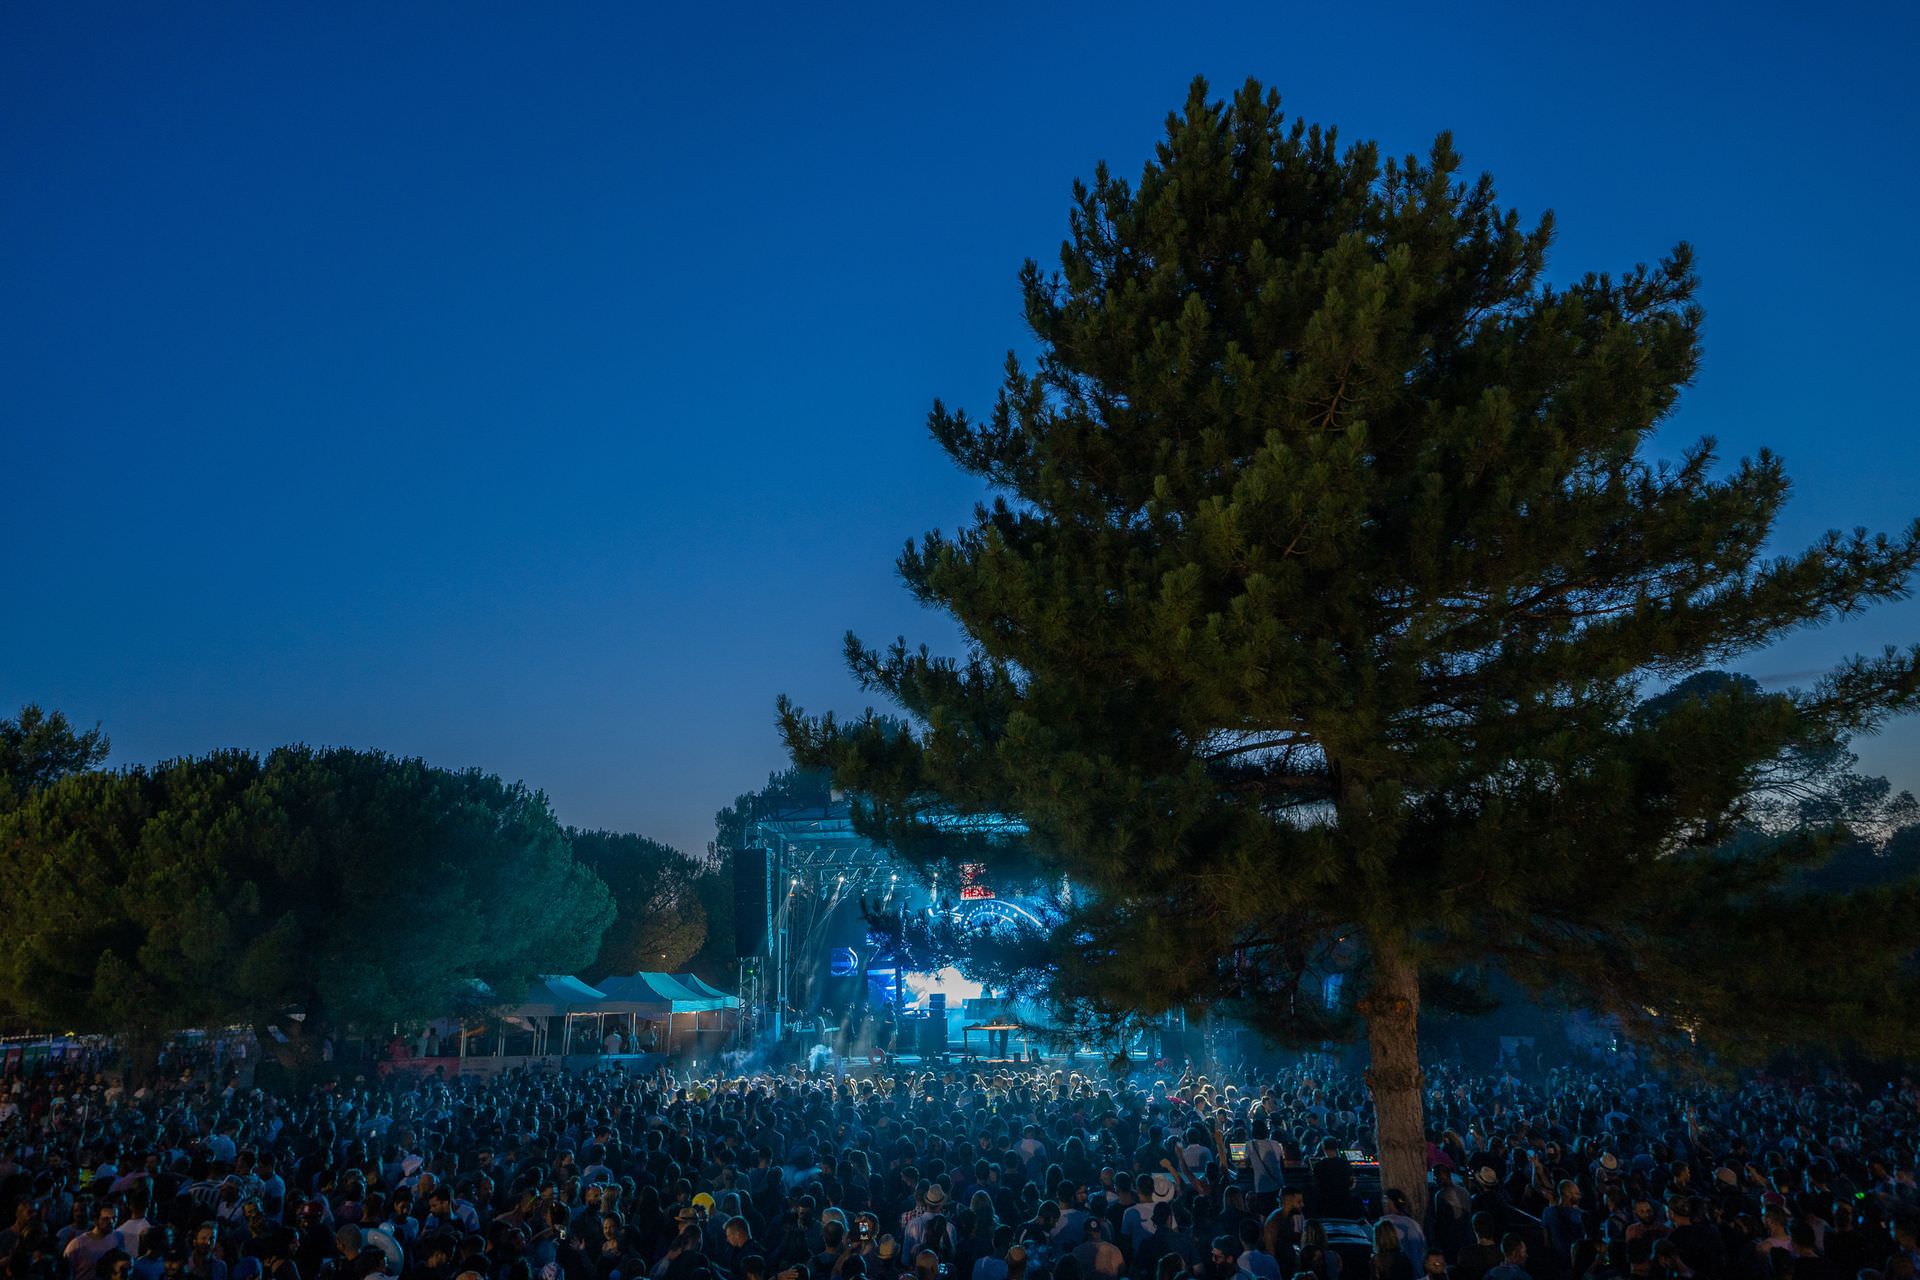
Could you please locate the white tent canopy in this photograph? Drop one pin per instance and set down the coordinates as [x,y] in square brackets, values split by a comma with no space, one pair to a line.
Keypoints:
[701,987]
[554,1003]
[659,995]
[557,994]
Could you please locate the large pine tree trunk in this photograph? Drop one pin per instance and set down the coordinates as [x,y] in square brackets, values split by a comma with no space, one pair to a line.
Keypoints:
[1392,1012]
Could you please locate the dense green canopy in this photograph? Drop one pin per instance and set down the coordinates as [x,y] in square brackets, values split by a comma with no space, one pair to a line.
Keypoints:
[660,912]
[348,887]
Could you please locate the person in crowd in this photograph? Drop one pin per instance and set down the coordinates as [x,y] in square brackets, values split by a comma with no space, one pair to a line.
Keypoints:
[1390,1260]
[86,1250]
[1407,1229]
[1483,1255]
[1266,1164]
[1513,1255]
[1097,1257]
[1333,1180]
[1254,1259]
[1451,1211]
[1317,1258]
[980,1172]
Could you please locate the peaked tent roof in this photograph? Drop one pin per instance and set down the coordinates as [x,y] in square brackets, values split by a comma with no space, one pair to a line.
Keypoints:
[658,993]
[557,993]
[701,987]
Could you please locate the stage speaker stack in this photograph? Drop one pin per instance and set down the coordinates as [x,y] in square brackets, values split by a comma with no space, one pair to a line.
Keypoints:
[752,903]
[933,1030]
[1187,1044]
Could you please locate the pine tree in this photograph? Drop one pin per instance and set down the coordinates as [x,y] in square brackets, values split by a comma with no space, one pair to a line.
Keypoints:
[232,887]
[1316,615]
[659,918]
[38,748]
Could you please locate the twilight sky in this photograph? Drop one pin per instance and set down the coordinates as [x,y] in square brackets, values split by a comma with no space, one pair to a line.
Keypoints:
[542,387]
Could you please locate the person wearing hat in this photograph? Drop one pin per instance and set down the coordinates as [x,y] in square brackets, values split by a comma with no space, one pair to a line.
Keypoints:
[884,1262]
[385,1250]
[1489,1196]
[929,1203]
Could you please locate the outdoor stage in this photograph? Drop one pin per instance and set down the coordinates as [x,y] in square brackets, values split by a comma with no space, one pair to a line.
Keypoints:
[807,888]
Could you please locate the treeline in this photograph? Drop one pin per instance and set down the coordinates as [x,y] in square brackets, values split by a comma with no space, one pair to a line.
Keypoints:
[312,890]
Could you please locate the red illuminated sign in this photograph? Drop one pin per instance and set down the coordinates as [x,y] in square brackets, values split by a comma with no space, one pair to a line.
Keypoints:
[972,876]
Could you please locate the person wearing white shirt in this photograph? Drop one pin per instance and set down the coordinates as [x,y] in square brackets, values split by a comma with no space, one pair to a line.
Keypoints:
[1196,1155]
[1267,1160]
[1072,1227]
[1031,1150]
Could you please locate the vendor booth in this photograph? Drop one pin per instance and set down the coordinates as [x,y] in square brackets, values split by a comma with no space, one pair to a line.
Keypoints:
[633,1022]
[661,1000]
[558,1017]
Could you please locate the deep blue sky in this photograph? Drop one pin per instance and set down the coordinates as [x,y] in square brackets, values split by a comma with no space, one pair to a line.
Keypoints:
[542,387]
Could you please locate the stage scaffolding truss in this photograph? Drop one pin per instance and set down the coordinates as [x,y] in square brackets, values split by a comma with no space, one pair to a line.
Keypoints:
[818,862]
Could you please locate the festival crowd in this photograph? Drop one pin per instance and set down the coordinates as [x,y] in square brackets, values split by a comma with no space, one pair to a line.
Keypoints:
[977,1174]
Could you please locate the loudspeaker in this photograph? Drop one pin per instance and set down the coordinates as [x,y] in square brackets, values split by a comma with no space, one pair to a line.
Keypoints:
[752,902]
[1188,1044]
[933,1029]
